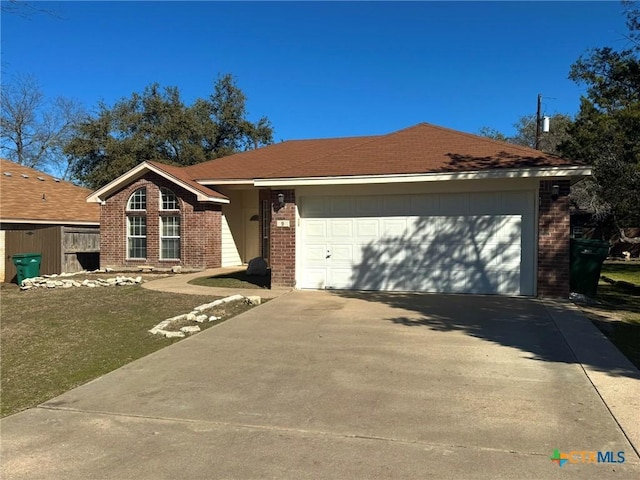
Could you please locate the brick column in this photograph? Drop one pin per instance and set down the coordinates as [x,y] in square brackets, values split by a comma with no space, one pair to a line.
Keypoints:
[553,240]
[283,239]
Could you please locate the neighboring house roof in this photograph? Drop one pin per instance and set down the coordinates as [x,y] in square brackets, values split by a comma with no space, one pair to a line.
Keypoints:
[172,173]
[419,153]
[31,196]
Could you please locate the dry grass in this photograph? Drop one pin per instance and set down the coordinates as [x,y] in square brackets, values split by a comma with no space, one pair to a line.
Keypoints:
[54,340]
[617,313]
[234,280]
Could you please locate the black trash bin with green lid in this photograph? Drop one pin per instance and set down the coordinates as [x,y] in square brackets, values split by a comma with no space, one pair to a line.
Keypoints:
[27,265]
[587,257]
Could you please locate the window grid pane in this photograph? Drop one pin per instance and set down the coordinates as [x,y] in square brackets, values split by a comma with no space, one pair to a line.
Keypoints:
[169,200]
[137,247]
[170,238]
[137,226]
[171,227]
[137,237]
[170,248]
[138,200]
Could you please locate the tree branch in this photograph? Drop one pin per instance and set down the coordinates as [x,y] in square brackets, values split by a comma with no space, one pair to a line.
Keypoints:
[625,239]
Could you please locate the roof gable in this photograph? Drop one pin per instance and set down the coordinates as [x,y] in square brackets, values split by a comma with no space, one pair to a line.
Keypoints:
[172,173]
[30,196]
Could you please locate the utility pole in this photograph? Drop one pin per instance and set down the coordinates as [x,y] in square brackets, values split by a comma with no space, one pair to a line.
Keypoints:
[538,122]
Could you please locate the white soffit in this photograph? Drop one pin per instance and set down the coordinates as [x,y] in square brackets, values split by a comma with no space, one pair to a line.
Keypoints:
[549,172]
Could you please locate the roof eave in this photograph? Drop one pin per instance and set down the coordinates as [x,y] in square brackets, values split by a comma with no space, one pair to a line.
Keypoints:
[49,221]
[537,172]
[228,181]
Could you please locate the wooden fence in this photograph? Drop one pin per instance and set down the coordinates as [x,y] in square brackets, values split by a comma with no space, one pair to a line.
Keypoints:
[63,249]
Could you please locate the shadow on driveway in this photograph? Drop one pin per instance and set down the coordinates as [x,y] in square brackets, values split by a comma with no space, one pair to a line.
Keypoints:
[521,323]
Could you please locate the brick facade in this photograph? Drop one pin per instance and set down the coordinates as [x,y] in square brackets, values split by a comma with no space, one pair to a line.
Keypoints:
[200,242]
[200,228]
[553,240]
[283,240]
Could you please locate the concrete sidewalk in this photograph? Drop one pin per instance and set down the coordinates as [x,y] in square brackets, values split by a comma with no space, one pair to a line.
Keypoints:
[179,283]
[614,377]
[328,385]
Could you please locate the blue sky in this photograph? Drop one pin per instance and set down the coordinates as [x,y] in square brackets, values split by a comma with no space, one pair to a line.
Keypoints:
[324,69]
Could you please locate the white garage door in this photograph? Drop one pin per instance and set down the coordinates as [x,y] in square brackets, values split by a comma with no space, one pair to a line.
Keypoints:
[455,243]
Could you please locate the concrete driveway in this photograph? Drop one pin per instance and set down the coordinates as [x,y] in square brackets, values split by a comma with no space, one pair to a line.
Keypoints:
[346,385]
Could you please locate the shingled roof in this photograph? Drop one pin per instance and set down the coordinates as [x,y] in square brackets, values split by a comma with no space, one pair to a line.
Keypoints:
[423,149]
[31,196]
[420,149]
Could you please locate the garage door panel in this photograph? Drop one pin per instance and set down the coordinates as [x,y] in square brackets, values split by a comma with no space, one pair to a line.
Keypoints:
[509,282]
[341,278]
[449,281]
[453,243]
[316,254]
[509,255]
[341,229]
[488,255]
[509,228]
[456,228]
[315,230]
[392,255]
[367,229]
[315,278]
[422,228]
[342,254]
[393,228]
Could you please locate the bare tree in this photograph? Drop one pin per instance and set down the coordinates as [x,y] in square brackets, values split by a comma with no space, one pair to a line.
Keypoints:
[24,9]
[33,129]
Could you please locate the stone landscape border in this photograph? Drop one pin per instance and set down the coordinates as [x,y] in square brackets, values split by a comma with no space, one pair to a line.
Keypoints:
[198,315]
[62,281]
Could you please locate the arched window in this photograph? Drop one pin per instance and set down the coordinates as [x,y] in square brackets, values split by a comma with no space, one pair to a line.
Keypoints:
[137,225]
[138,200]
[168,200]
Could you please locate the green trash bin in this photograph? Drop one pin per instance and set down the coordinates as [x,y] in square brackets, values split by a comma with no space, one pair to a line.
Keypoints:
[27,265]
[587,257]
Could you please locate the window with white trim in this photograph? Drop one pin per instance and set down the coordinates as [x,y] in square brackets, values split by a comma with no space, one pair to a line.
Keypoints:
[168,200]
[170,238]
[136,237]
[138,200]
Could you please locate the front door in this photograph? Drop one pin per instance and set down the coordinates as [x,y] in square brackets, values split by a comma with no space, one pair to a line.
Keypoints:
[251,234]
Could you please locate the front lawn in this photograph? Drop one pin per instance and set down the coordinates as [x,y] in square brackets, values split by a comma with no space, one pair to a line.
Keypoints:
[234,280]
[617,313]
[622,271]
[53,340]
